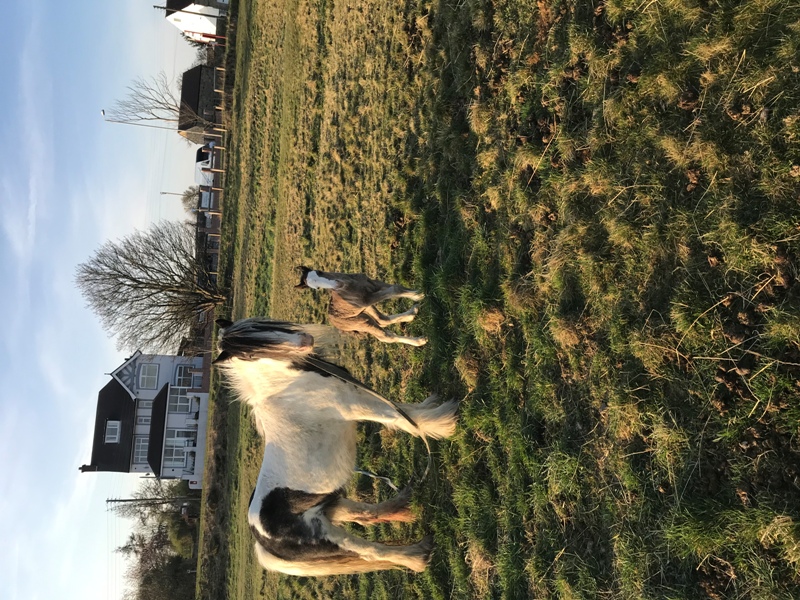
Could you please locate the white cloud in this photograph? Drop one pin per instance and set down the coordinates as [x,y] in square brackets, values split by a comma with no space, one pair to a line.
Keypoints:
[21,202]
[28,181]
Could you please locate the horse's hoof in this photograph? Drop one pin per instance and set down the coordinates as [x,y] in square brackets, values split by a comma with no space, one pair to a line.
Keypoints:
[403,497]
[419,555]
[426,547]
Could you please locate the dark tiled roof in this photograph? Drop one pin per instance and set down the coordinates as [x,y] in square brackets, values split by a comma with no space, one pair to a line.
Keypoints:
[190,97]
[158,421]
[173,5]
[113,404]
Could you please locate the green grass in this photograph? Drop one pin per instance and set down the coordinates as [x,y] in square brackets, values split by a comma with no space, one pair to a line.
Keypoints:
[600,201]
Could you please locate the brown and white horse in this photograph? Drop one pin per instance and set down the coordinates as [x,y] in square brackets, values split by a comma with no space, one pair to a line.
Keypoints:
[306,409]
[353,296]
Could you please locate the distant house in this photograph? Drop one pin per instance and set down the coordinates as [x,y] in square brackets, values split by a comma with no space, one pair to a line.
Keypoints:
[151,418]
[197,19]
[197,103]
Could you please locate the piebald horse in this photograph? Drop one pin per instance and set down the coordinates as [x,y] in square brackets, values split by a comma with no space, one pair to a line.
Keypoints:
[353,296]
[306,409]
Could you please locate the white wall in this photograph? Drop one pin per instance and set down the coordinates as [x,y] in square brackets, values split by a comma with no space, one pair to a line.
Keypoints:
[193,25]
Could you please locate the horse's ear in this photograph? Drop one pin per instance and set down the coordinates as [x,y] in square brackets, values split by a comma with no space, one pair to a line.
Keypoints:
[224,356]
[304,271]
[224,323]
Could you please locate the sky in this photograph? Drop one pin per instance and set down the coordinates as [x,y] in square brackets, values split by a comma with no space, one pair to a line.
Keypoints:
[69,182]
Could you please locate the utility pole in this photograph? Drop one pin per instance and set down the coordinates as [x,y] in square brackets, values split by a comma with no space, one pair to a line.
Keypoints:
[150,501]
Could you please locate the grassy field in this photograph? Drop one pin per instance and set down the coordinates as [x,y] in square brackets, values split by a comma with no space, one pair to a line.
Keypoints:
[601,201]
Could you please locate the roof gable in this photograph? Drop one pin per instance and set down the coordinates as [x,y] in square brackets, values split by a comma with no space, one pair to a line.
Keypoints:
[125,374]
[113,404]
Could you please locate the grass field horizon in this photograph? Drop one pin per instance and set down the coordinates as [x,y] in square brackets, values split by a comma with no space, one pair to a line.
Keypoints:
[601,201]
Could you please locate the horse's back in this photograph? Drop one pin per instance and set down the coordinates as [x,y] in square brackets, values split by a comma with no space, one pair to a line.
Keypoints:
[355,288]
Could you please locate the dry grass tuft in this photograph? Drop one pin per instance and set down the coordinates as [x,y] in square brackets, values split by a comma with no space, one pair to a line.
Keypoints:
[714,48]
[481,569]
[565,333]
[491,321]
[480,118]
[520,295]
[469,369]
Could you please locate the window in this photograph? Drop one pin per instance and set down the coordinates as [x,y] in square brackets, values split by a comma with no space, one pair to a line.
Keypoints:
[179,402]
[174,447]
[140,450]
[180,435]
[148,377]
[145,404]
[112,432]
[174,457]
[143,420]
[183,376]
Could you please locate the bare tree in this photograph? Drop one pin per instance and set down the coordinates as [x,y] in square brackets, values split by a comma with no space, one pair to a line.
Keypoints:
[148,100]
[153,99]
[150,288]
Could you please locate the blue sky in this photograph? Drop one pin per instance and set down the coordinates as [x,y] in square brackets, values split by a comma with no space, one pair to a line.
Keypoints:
[68,182]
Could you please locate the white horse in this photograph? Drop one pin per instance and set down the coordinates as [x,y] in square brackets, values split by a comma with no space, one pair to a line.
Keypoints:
[353,296]
[306,409]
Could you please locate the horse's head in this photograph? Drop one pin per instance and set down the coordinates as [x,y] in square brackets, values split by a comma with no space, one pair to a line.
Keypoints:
[304,271]
[251,339]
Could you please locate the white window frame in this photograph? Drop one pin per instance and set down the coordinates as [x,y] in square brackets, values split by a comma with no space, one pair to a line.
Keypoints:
[112,432]
[184,376]
[174,457]
[175,447]
[143,419]
[140,444]
[179,402]
[145,404]
[146,378]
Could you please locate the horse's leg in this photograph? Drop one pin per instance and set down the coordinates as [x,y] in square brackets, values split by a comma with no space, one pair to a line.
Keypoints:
[431,419]
[414,557]
[394,509]
[393,291]
[365,323]
[385,320]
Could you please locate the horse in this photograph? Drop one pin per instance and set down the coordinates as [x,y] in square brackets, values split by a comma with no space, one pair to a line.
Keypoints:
[306,409]
[353,296]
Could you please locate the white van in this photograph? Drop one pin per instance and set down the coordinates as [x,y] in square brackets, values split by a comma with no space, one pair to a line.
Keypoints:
[204,160]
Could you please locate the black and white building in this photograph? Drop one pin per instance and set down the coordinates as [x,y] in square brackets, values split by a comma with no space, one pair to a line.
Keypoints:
[151,418]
